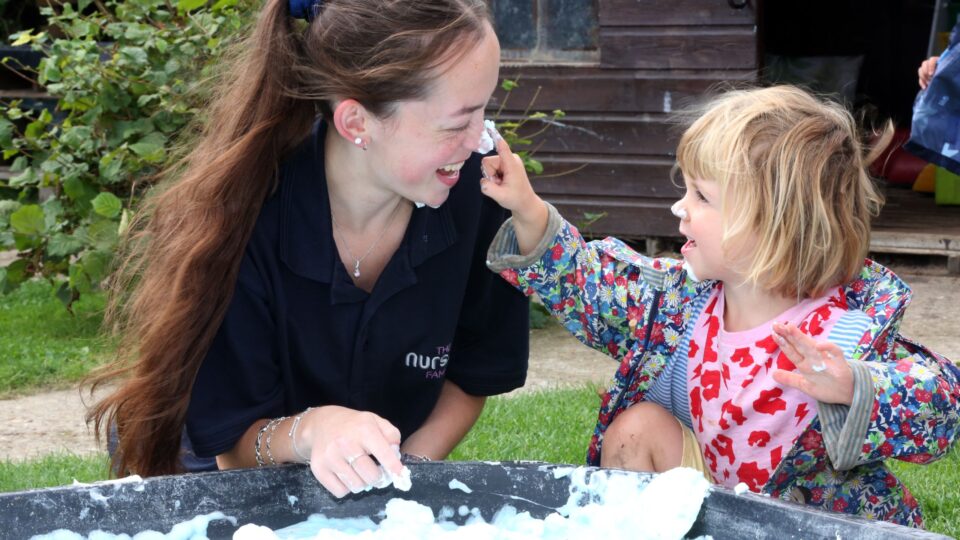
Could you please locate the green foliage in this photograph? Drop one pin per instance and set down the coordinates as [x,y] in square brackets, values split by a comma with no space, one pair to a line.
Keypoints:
[127,79]
[510,129]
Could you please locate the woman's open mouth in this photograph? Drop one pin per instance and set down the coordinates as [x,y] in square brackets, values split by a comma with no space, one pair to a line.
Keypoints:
[449,174]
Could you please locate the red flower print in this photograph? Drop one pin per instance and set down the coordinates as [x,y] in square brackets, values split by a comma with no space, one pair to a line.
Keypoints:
[711,458]
[511,276]
[588,309]
[895,400]
[775,456]
[759,438]
[811,439]
[890,480]
[579,279]
[711,384]
[767,344]
[742,357]
[736,414]
[923,396]
[696,408]
[556,252]
[613,348]
[769,402]
[784,363]
[839,505]
[889,433]
[724,446]
[693,349]
[752,475]
[886,449]
[903,366]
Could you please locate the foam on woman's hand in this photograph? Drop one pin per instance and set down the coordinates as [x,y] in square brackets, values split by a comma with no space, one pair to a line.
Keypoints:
[488,137]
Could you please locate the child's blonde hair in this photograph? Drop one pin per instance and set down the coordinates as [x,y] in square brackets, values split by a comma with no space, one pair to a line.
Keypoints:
[792,172]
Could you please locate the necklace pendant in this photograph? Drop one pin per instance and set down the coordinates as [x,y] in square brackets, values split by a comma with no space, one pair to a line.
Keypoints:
[356,269]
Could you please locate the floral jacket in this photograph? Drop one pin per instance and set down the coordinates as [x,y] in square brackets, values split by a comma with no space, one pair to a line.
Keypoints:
[638,310]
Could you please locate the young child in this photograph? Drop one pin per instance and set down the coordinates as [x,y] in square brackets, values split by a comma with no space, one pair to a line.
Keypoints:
[770,355]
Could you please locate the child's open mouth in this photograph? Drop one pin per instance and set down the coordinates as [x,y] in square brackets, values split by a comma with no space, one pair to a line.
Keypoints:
[449,174]
[688,246]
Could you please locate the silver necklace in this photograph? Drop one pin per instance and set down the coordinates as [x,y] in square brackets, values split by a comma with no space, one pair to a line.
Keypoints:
[358,260]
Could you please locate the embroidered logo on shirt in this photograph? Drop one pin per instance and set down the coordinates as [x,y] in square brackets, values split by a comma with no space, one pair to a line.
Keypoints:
[434,365]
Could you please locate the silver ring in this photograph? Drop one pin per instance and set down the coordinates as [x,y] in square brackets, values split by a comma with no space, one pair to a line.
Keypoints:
[350,460]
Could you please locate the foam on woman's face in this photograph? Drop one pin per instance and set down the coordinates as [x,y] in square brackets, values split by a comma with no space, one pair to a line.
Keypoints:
[488,137]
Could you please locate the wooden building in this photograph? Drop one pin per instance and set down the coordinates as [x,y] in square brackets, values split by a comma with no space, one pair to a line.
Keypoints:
[619,68]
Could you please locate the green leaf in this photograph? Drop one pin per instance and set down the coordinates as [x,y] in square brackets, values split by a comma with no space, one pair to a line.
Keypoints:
[103,234]
[96,264]
[6,133]
[221,4]
[26,178]
[82,5]
[79,280]
[134,55]
[107,204]
[15,273]
[20,164]
[150,148]
[534,166]
[62,245]
[78,190]
[49,72]
[190,5]
[28,220]
[508,85]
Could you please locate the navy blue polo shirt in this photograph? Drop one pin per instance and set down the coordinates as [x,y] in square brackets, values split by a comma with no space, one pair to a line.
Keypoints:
[298,333]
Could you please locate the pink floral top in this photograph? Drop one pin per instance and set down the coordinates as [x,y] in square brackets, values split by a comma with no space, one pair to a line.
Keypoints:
[743,419]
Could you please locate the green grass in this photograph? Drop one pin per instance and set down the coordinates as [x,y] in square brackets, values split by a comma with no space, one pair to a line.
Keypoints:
[552,426]
[42,344]
[52,470]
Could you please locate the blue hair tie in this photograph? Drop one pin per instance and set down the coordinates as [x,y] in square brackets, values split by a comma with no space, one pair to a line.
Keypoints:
[304,9]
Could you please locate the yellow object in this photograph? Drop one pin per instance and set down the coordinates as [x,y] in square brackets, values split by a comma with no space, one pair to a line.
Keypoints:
[948,187]
[691,456]
[927,179]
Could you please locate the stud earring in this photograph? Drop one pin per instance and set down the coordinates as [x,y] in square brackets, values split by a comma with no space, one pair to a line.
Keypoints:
[359,142]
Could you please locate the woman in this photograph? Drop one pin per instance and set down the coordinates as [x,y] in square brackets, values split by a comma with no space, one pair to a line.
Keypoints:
[290,301]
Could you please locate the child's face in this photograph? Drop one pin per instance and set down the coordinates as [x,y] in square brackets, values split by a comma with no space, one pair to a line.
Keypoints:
[424,144]
[702,225]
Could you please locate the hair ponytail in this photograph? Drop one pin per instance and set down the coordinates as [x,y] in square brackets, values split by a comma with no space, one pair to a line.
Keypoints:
[179,262]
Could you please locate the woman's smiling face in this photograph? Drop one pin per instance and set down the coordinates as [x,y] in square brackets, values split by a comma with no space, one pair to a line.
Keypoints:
[421,147]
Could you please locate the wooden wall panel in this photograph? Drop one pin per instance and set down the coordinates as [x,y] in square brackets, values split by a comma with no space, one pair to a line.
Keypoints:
[606,176]
[673,12]
[591,89]
[679,47]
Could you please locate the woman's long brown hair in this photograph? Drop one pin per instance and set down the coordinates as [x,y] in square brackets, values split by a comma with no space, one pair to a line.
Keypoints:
[179,262]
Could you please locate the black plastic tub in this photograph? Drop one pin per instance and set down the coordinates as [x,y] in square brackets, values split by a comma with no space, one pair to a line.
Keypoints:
[281,496]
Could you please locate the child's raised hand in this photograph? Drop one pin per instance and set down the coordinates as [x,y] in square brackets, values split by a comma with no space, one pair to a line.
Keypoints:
[822,372]
[505,181]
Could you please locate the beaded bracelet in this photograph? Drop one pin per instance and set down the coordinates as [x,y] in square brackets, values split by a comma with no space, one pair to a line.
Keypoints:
[293,434]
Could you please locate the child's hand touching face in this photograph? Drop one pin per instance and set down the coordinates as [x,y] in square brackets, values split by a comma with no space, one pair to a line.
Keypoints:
[822,372]
[505,181]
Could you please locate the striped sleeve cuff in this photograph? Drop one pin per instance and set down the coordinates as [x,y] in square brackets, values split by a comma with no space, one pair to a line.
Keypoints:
[845,427]
[504,251]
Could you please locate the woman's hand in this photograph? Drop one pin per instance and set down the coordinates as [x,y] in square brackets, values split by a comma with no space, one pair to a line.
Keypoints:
[822,373]
[926,71]
[342,444]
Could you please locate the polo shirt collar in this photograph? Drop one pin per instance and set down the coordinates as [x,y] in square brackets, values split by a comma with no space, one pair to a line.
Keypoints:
[307,247]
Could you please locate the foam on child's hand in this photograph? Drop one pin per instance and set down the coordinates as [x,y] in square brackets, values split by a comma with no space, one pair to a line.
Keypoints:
[488,137]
